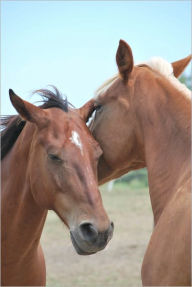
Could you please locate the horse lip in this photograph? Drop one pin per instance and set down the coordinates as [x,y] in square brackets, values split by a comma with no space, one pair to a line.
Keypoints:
[77,248]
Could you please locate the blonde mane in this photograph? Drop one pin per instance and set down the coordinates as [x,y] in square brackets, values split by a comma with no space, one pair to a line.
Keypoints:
[165,68]
[106,85]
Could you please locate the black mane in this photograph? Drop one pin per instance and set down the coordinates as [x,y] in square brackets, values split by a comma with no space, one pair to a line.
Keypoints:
[12,126]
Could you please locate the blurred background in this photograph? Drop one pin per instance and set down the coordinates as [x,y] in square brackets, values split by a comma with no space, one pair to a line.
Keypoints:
[72,45]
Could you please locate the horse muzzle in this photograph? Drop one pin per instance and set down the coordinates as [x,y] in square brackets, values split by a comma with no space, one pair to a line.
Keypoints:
[88,240]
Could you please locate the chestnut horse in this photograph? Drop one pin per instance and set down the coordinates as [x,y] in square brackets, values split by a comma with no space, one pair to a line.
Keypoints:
[142,119]
[49,162]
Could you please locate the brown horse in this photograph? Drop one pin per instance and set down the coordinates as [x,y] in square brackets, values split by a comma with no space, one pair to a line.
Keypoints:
[142,119]
[49,161]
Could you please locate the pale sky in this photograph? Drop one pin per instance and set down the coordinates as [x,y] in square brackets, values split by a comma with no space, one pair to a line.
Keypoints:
[72,44]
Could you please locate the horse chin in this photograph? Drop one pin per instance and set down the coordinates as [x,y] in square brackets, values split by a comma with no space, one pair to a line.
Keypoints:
[78,249]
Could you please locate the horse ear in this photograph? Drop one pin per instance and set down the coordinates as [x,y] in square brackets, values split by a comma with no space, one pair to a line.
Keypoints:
[87,109]
[27,111]
[179,66]
[124,59]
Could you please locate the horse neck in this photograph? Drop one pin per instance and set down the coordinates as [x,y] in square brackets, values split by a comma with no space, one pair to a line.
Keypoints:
[22,218]
[166,126]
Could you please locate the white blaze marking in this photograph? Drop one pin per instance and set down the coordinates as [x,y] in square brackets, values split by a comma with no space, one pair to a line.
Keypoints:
[75,139]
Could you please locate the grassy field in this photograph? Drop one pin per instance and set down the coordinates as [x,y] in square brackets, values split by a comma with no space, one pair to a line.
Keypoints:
[119,264]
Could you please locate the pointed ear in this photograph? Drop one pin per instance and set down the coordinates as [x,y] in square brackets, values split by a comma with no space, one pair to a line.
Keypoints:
[124,59]
[27,111]
[179,66]
[87,109]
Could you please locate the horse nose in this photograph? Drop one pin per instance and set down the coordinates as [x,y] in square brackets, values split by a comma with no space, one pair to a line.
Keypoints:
[88,232]
[87,239]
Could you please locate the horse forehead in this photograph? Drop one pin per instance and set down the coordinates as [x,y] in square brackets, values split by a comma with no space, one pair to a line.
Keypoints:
[67,125]
[59,120]
[111,92]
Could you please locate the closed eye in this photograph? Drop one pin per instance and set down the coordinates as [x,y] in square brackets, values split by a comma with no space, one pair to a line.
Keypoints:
[54,157]
[98,107]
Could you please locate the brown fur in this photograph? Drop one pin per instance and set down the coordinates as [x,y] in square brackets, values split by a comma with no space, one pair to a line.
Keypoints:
[45,170]
[144,121]
[178,66]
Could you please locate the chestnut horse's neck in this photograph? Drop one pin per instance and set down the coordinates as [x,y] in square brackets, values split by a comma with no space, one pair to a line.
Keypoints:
[165,123]
[22,218]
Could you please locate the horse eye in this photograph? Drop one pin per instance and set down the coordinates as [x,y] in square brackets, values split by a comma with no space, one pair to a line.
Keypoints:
[54,157]
[98,107]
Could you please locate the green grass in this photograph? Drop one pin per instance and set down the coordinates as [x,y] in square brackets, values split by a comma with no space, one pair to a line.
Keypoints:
[119,264]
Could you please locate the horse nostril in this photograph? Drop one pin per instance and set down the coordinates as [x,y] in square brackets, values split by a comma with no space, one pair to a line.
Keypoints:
[112,225]
[89,232]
